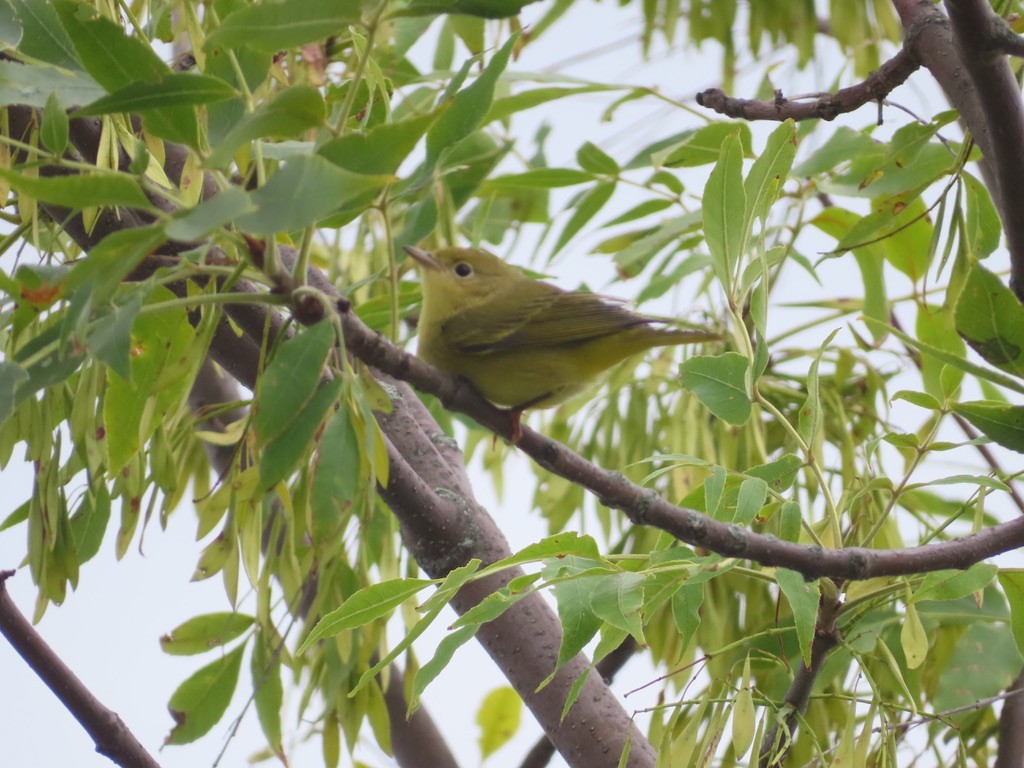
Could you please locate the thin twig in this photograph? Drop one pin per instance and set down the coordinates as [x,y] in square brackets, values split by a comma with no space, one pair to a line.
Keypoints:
[875,87]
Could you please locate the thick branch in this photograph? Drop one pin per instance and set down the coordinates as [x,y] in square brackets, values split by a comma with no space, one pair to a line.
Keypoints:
[875,87]
[108,732]
[413,738]
[975,30]
[1011,727]
[443,527]
[540,754]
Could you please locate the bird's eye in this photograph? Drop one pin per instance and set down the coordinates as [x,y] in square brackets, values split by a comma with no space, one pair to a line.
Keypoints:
[462,269]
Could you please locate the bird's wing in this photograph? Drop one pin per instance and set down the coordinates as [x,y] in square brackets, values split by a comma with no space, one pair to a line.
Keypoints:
[544,317]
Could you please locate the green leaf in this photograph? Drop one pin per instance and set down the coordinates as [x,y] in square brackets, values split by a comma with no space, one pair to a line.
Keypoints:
[913,638]
[803,599]
[381,149]
[789,524]
[619,600]
[336,478]
[54,130]
[842,146]
[498,718]
[779,474]
[204,633]
[503,108]
[686,602]
[964,678]
[282,453]
[366,605]
[588,206]
[116,60]
[273,26]
[1012,582]
[714,486]
[432,607]
[639,211]
[12,377]
[837,222]
[89,523]
[768,173]
[541,178]
[43,37]
[594,159]
[295,110]
[307,189]
[723,205]
[439,661]
[175,88]
[10,26]
[579,622]
[720,384]
[702,146]
[165,347]
[97,188]
[981,231]
[558,546]
[486,9]
[981,372]
[104,268]
[268,691]
[200,702]
[33,86]
[935,326]
[111,337]
[496,603]
[955,584]
[469,106]
[991,320]
[219,210]
[109,55]
[290,380]
[752,494]
[810,412]
[1000,422]
[920,399]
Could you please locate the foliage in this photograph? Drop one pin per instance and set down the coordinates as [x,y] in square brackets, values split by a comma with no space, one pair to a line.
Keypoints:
[325,131]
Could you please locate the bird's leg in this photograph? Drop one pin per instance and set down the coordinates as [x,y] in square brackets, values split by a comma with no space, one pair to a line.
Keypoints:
[516,415]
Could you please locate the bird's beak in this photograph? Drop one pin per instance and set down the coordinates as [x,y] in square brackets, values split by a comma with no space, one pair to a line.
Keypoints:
[424,258]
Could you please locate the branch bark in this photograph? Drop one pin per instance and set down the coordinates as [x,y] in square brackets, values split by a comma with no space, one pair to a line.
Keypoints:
[826,637]
[1011,727]
[976,33]
[875,87]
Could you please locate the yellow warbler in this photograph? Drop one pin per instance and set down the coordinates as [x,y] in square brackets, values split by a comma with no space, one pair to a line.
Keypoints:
[524,343]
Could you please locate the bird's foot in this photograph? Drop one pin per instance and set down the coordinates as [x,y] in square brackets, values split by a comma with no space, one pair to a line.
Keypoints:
[516,417]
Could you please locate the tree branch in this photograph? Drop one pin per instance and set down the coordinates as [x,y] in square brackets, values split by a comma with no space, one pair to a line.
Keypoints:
[875,87]
[1011,727]
[975,26]
[415,739]
[644,507]
[540,754]
[826,637]
[107,730]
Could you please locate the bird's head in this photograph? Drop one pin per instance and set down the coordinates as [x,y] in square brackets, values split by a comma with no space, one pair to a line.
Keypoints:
[461,276]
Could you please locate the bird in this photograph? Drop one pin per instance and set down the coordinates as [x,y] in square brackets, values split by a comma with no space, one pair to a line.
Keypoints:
[524,343]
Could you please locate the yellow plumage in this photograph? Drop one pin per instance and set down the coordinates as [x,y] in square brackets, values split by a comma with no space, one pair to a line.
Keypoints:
[524,343]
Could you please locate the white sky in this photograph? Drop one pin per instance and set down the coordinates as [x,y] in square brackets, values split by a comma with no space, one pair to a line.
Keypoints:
[108,630]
